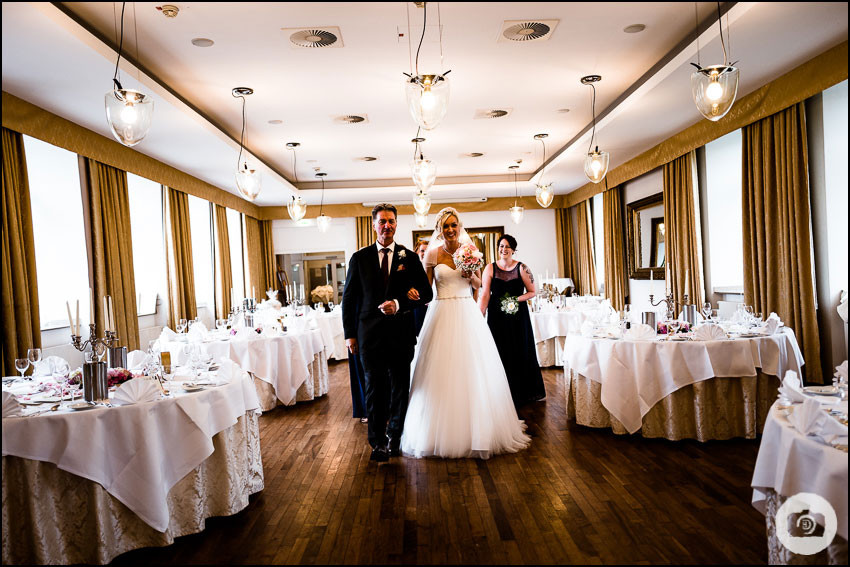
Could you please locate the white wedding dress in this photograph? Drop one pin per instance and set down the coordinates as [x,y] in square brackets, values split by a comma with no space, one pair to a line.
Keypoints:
[460,401]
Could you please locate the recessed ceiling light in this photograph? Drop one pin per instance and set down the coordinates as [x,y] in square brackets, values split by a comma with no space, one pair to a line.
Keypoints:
[563,110]
[474,154]
[367,158]
[634,28]
[275,122]
[311,161]
[202,42]
[293,145]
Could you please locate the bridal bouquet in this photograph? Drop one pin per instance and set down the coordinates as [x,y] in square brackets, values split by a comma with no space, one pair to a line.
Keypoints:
[468,258]
[510,305]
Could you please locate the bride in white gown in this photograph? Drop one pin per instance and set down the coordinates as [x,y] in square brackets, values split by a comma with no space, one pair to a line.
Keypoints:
[460,402]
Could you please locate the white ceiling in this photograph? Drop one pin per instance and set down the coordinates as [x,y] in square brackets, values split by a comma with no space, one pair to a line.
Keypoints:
[54,62]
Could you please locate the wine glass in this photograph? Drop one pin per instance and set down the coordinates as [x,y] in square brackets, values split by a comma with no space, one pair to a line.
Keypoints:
[22,364]
[706,310]
[34,356]
[627,315]
[181,325]
[673,326]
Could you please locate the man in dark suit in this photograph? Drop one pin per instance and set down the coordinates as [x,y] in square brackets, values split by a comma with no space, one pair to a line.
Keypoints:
[378,322]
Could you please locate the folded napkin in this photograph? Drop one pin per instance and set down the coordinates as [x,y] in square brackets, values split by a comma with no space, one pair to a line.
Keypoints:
[167,335]
[842,306]
[136,391]
[270,304]
[52,366]
[640,332]
[709,332]
[770,327]
[227,370]
[587,328]
[810,419]
[11,407]
[841,371]
[198,331]
[136,360]
[773,315]
[297,324]
[791,387]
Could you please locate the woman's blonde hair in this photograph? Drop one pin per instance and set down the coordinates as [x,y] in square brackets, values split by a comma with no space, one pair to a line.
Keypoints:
[445,213]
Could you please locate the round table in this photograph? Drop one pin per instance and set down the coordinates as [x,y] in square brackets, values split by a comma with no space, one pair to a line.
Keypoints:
[143,473]
[690,389]
[789,463]
[551,327]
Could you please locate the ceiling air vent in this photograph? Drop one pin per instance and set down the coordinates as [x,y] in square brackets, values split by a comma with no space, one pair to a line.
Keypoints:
[492,113]
[366,158]
[309,38]
[527,30]
[472,155]
[351,119]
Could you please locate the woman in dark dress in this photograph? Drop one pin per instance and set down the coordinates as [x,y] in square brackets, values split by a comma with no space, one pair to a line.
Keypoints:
[510,324]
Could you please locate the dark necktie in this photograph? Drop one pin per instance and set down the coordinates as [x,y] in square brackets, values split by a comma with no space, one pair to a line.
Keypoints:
[385,265]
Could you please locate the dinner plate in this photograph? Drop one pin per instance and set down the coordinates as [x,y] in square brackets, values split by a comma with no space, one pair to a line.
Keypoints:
[80,406]
[192,388]
[821,390]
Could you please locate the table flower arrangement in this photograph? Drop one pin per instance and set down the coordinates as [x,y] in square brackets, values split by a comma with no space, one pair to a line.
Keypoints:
[117,376]
[468,258]
[662,329]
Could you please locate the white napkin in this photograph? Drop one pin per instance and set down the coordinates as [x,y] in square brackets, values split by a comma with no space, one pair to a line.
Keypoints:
[773,315]
[791,387]
[842,306]
[137,390]
[246,333]
[770,327]
[167,335]
[52,366]
[811,419]
[227,370]
[136,360]
[587,328]
[297,324]
[640,332]
[709,332]
[11,407]
[841,371]
[197,332]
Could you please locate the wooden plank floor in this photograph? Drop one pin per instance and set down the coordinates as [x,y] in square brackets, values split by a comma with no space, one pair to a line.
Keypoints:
[577,495]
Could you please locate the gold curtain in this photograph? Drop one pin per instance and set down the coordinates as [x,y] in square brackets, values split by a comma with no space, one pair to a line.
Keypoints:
[106,209]
[778,272]
[21,323]
[567,262]
[586,262]
[365,233]
[223,273]
[683,251]
[181,271]
[253,248]
[616,280]
[268,257]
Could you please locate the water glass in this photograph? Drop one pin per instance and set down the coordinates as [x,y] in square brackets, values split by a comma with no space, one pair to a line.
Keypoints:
[34,356]
[22,364]
[673,326]
[707,310]
[181,325]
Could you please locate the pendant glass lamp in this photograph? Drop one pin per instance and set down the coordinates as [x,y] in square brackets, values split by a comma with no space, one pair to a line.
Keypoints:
[544,193]
[596,161]
[715,87]
[422,202]
[428,99]
[323,221]
[297,208]
[421,219]
[128,112]
[517,211]
[423,170]
[248,179]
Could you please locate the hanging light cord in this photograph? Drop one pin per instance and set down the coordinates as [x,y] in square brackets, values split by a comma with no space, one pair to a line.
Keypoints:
[294,166]
[516,189]
[593,109]
[543,165]
[120,46]
[242,137]
[722,43]
[322,202]
[416,148]
[422,37]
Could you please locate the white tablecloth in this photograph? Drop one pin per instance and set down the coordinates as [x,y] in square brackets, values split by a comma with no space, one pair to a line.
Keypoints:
[283,361]
[790,463]
[557,324]
[333,334]
[636,375]
[136,452]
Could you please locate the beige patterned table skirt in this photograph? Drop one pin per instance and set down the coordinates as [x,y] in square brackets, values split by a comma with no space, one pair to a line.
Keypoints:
[314,387]
[53,516]
[719,408]
[778,554]
[550,352]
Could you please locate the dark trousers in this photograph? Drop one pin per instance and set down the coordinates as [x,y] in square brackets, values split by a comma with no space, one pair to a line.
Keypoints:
[387,392]
[358,385]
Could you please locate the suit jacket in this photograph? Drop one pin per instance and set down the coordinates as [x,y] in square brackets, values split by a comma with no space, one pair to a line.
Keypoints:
[364,292]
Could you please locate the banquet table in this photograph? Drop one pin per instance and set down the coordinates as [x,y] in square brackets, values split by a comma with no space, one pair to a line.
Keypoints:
[287,367]
[86,486]
[677,389]
[790,463]
[552,326]
[333,334]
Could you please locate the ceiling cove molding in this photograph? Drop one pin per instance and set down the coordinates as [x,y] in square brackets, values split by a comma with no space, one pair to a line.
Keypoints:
[26,118]
[816,75]
[407,182]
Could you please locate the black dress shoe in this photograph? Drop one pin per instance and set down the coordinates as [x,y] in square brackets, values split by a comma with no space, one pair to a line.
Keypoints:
[394,448]
[379,455]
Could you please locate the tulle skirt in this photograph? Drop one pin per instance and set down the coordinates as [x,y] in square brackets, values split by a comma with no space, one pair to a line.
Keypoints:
[460,402]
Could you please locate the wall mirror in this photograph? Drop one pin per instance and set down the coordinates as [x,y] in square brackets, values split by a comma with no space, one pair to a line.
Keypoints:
[485,239]
[647,242]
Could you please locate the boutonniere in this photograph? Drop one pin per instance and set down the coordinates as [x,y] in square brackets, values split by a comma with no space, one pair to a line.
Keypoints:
[402,254]
[400,268]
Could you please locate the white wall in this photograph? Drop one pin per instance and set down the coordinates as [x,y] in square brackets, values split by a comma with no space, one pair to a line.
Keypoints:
[646,185]
[290,237]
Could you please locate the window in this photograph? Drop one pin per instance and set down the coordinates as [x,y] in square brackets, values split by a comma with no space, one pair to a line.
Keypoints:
[598,239]
[723,195]
[234,235]
[148,246]
[60,242]
[835,162]
[200,217]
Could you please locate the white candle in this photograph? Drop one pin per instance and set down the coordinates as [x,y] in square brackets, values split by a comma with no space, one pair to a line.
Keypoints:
[253,292]
[302,292]
[111,315]
[77,332]
[91,305]
[70,320]
[687,282]
[105,316]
